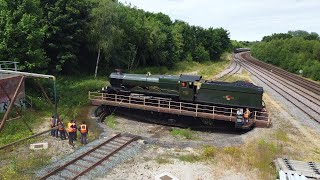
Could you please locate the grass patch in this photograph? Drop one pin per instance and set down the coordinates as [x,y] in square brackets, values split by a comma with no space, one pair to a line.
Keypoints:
[163,160]
[17,129]
[23,167]
[72,96]
[233,151]
[111,121]
[244,76]
[265,152]
[190,158]
[281,135]
[185,133]
[206,69]
[209,152]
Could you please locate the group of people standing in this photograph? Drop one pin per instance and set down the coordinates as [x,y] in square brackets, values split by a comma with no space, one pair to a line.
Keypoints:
[243,116]
[57,128]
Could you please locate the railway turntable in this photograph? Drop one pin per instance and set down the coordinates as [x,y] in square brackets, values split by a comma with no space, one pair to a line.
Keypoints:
[184,99]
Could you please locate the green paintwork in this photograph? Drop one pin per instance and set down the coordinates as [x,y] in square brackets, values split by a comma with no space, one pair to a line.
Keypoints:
[157,84]
[216,93]
[186,93]
[230,97]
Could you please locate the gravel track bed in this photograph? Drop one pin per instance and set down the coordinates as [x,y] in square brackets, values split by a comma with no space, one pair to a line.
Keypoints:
[290,94]
[290,108]
[122,155]
[286,91]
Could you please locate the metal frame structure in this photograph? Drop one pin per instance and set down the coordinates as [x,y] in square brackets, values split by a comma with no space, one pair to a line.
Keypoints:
[165,105]
[8,63]
[23,75]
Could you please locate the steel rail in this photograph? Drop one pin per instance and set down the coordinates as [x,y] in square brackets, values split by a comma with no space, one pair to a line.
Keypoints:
[314,87]
[265,72]
[311,116]
[234,70]
[79,157]
[293,97]
[292,75]
[229,71]
[104,158]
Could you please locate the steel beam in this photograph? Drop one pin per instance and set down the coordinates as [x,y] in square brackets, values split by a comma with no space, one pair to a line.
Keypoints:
[13,99]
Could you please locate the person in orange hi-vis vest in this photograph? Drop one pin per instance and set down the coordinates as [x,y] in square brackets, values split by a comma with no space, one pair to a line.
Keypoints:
[247,115]
[71,130]
[83,128]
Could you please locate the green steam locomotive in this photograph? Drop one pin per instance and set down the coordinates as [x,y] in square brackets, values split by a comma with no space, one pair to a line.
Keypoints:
[188,88]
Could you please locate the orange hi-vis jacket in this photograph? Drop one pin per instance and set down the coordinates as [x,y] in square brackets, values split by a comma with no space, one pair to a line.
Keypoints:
[71,127]
[83,128]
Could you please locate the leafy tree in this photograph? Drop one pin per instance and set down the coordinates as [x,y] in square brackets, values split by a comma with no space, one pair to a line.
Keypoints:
[304,34]
[103,29]
[22,33]
[276,36]
[66,22]
[293,54]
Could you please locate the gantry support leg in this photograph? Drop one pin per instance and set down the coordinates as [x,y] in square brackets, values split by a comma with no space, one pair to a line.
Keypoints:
[13,99]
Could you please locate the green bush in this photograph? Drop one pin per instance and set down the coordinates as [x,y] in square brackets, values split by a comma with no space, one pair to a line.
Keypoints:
[185,133]
[111,121]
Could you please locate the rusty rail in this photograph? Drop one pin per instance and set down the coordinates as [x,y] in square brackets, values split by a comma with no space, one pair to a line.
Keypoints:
[87,169]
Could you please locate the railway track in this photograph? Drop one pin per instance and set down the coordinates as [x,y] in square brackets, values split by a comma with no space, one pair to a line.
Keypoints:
[302,98]
[302,82]
[87,161]
[235,69]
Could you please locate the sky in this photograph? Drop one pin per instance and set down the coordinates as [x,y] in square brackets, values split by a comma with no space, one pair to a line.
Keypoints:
[245,20]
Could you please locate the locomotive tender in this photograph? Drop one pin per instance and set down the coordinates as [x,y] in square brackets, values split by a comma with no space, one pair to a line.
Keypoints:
[188,88]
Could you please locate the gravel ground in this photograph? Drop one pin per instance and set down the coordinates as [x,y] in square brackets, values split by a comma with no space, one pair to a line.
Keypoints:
[160,134]
[146,167]
[99,170]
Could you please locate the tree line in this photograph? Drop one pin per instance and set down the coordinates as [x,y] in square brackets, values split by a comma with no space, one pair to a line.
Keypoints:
[68,36]
[293,51]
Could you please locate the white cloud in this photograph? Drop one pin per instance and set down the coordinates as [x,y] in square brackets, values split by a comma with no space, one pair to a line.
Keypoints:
[246,19]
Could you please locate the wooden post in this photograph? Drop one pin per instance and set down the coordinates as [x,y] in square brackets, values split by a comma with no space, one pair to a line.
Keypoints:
[115,97]
[212,112]
[44,92]
[255,116]
[144,103]
[159,102]
[169,106]
[180,107]
[197,110]
[231,114]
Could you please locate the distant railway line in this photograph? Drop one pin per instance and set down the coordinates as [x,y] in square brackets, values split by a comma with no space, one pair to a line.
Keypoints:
[298,80]
[302,93]
[87,161]
[233,69]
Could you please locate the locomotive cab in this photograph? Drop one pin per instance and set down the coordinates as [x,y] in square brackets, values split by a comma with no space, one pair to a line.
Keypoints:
[188,87]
